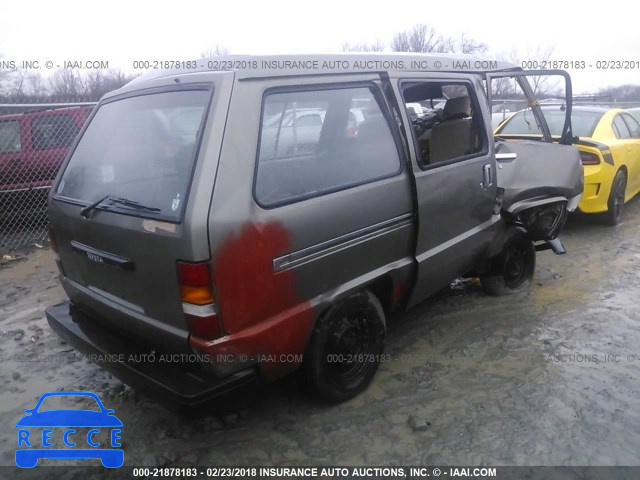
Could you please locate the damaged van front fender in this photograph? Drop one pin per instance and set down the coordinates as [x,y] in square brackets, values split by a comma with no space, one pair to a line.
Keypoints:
[540,183]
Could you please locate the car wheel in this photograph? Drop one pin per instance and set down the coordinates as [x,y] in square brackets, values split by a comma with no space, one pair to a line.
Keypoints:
[345,348]
[613,216]
[513,269]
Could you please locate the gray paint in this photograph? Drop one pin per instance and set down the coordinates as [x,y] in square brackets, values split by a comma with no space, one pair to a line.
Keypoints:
[540,173]
[419,228]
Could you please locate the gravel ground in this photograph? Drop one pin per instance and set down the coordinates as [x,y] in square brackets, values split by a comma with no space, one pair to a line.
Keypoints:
[546,377]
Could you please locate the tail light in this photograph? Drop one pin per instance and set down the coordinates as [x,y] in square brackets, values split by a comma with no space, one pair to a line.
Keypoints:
[198,303]
[589,158]
[52,239]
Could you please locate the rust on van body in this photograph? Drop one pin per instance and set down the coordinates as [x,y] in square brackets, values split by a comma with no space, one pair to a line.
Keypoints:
[262,314]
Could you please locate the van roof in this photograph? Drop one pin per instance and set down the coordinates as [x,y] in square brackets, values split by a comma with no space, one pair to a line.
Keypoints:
[257,66]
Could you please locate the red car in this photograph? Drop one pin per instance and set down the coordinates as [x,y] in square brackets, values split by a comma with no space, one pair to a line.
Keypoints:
[33,146]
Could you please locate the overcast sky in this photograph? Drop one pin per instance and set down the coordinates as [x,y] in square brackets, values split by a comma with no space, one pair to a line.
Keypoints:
[123,31]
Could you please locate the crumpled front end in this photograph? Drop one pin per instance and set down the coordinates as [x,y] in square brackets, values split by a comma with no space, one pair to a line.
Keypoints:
[539,184]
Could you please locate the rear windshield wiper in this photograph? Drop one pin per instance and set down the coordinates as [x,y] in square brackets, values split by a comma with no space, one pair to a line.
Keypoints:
[123,201]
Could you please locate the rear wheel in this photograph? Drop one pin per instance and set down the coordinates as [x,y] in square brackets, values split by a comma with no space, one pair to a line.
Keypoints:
[513,269]
[613,215]
[345,348]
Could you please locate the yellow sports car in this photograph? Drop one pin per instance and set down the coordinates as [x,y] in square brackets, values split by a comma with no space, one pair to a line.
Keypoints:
[609,143]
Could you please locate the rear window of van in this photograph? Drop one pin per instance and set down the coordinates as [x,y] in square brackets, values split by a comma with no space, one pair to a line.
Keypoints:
[141,149]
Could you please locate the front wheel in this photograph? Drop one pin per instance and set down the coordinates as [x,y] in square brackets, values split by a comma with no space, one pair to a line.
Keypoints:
[613,215]
[513,269]
[345,348]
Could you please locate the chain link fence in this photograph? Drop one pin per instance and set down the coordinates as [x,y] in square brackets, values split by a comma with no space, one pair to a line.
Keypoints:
[34,140]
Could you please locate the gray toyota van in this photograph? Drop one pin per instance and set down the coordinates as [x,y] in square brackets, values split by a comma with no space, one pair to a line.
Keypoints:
[239,218]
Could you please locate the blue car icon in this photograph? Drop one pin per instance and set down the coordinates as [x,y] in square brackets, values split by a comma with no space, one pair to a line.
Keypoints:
[31,448]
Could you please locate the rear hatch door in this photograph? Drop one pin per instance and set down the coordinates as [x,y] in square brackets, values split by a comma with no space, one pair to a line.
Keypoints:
[132,200]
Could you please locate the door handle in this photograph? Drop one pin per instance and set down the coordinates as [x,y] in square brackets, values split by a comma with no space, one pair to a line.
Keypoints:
[506,157]
[487,177]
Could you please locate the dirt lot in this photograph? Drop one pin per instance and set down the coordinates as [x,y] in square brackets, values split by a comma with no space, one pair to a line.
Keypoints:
[547,377]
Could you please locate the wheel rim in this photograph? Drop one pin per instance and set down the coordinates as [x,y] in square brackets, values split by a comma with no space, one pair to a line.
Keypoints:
[351,340]
[617,200]
[516,266]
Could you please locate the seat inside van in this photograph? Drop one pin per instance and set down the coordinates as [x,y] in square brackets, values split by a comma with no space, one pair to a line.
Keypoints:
[447,136]
[449,128]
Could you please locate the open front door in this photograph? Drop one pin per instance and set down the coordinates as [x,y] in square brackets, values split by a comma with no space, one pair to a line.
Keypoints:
[546,94]
[538,169]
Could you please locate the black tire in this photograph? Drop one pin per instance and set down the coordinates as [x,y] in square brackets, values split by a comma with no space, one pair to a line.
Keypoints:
[345,348]
[615,204]
[513,269]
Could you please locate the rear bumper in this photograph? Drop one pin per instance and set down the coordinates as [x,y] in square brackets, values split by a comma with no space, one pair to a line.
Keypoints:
[182,384]
[597,188]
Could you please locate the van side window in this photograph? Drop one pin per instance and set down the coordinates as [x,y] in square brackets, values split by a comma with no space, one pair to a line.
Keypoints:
[10,137]
[53,131]
[315,142]
[447,126]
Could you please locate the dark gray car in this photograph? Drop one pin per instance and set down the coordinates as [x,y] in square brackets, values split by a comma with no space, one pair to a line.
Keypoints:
[232,225]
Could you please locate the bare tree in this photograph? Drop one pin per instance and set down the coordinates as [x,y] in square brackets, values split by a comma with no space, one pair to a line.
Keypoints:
[505,91]
[542,85]
[376,46]
[96,83]
[621,93]
[215,51]
[503,87]
[19,82]
[447,45]
[468,45]
[114,79]
[3,73]
[35,85]
[423,39]
[420,39]
[92,83]
[400,42]
[65,82]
